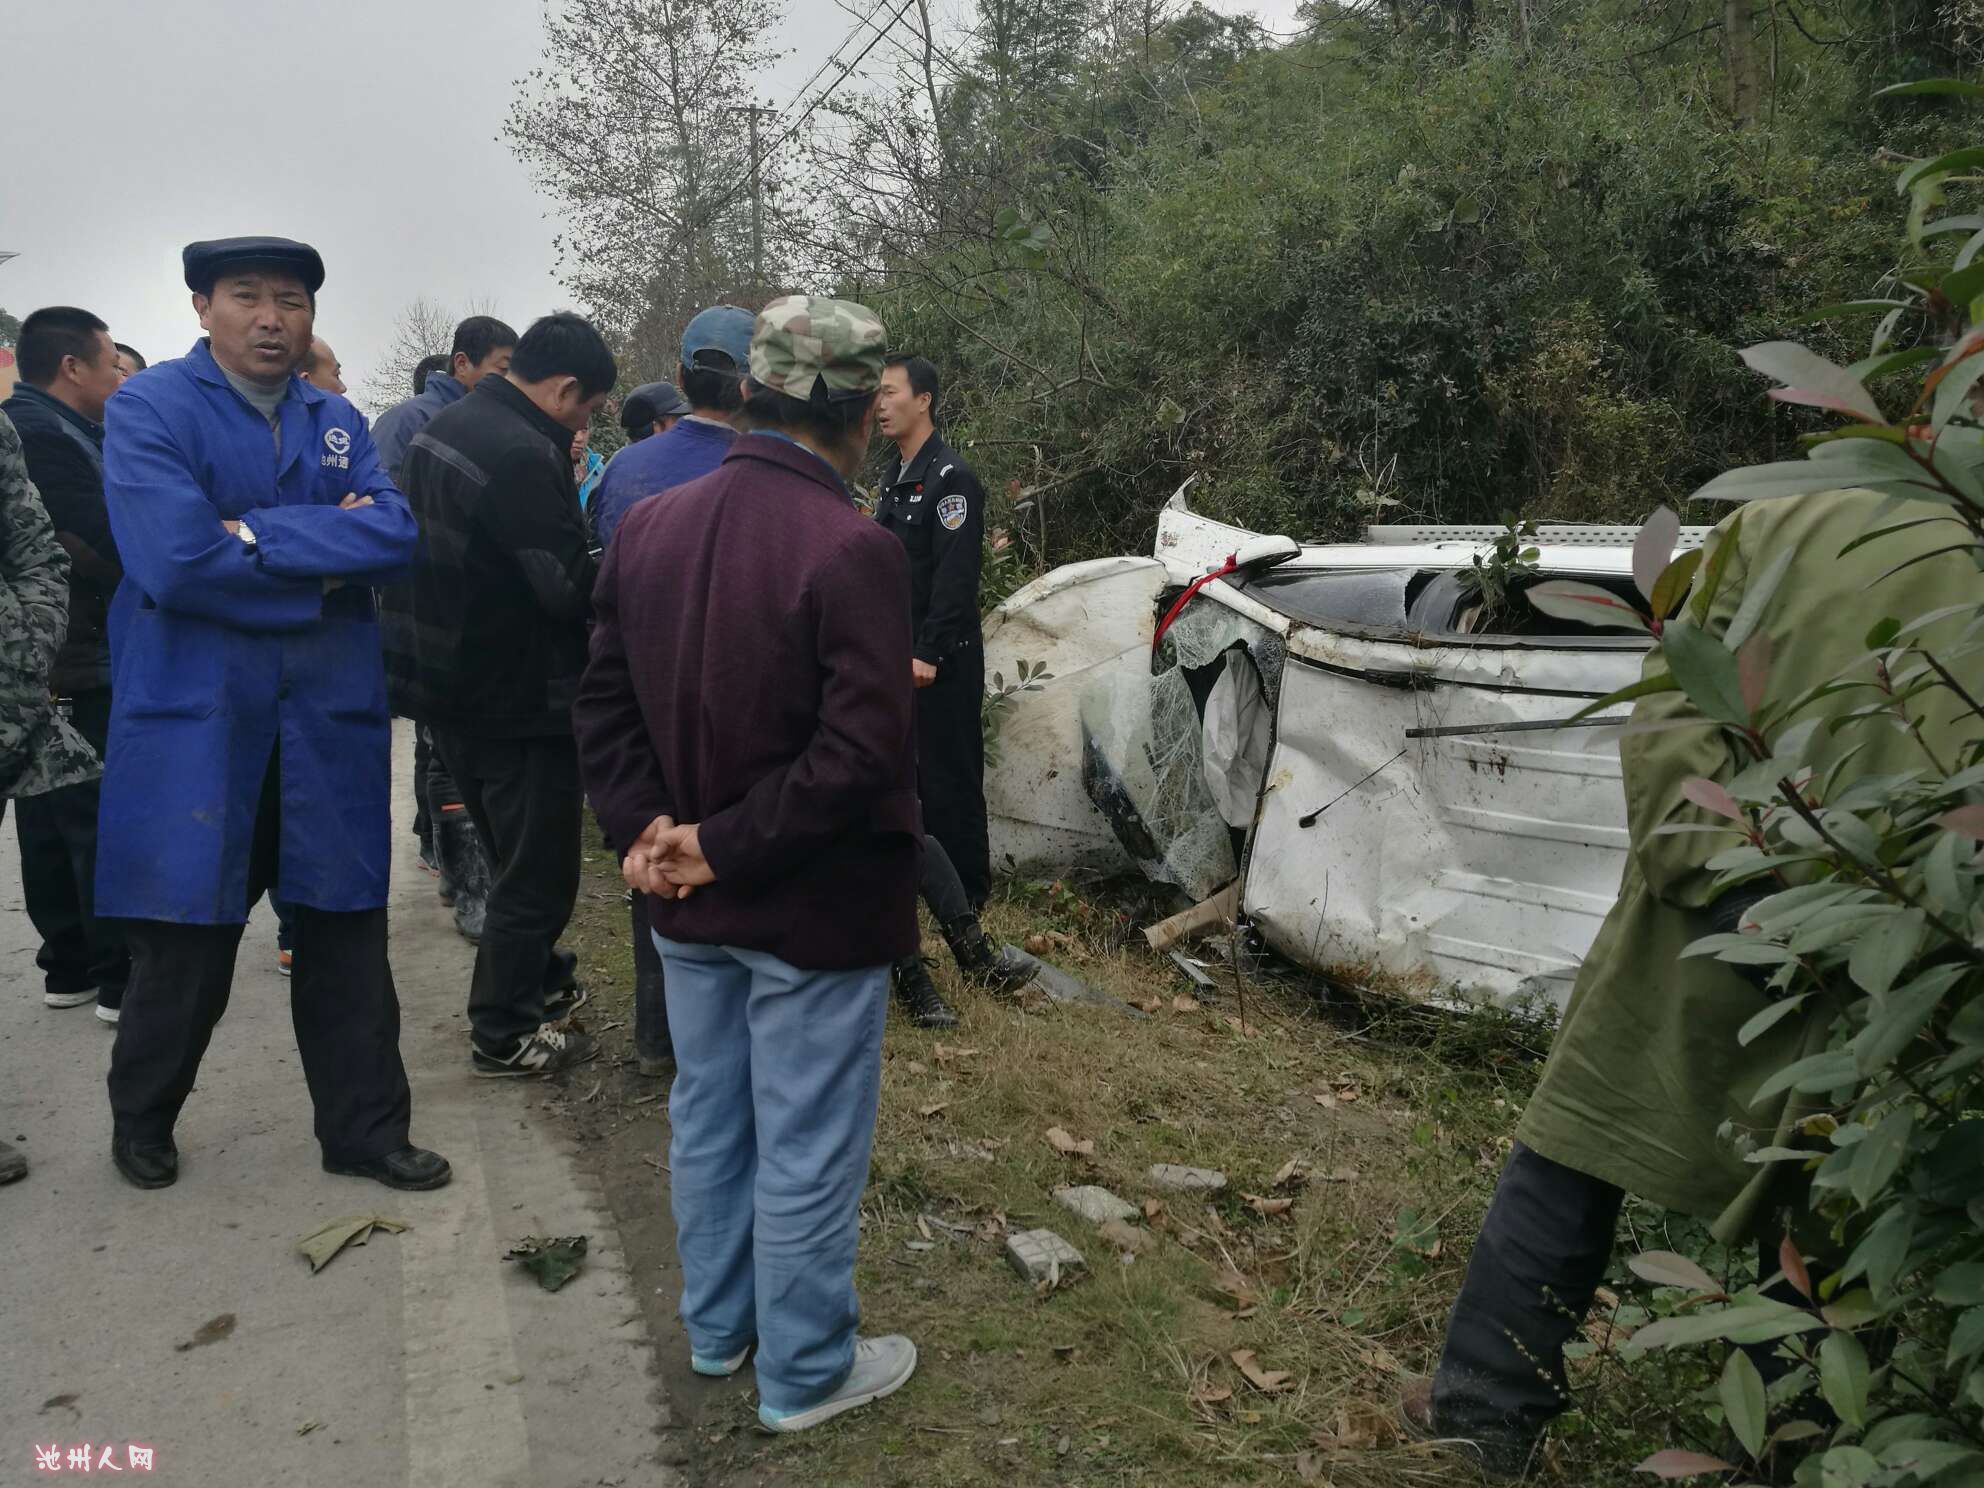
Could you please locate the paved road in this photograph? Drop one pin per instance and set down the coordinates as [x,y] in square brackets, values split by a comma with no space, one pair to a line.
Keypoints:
[422,1358]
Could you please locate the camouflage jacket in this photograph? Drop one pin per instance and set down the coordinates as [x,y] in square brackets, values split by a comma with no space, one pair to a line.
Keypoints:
[39,751]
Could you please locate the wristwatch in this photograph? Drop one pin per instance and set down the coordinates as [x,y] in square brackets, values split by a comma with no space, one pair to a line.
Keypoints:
[243,531]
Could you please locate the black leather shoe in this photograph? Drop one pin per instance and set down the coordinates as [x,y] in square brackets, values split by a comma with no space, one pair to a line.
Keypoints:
[410,1167]
[918,996]
[146,1164]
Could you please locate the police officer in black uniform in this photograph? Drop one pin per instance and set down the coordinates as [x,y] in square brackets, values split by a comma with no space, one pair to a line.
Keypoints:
[932,501]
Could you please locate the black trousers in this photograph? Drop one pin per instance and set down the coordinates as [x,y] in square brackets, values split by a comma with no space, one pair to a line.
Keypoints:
[434,788]
[524,797]
[651,1037]
[950,767]
[342,1001]
[58,876]
[940,885]
[1543,1250]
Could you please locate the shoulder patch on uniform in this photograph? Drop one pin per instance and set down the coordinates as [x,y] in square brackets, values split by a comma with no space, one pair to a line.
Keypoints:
[950,511]
[945,471]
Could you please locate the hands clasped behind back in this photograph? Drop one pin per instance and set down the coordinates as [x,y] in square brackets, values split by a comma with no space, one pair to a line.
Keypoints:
[667,860]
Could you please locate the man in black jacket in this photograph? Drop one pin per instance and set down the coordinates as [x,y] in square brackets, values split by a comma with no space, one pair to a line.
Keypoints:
[502,591]
[68,368]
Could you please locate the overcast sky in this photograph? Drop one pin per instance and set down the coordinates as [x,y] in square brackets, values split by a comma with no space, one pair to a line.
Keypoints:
[368,128]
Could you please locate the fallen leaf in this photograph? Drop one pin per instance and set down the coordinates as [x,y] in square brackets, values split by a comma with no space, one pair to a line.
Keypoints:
[1244,1313]
[920,1245]
[321,1244]
[1346,1090]
[1309,1467]
[1248,1418]
[1267,1381]
[1125,1236]
[1359,1425]
[1378,1358]
[1678,1464]
[1148,1004]
[1292,1171]
[1327,1100]
[59,1402]
[916,1068]
[552,1261]
[1341,1175]
[1035,944]
[1236,1286]
[213,1330]
[923,1228]
[1184,1003]
[1059,1139]
[933,1108]
[1267,1208]
[1063,1447]
[307,1427]
[1153,1211]
[948,1055]
[1247,1030]
[1064,1351]
[1211,1395]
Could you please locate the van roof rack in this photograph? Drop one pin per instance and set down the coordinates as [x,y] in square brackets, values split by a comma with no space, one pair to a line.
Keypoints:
[1548,534]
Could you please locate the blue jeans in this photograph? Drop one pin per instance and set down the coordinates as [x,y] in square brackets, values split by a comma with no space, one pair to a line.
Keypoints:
[773,1114]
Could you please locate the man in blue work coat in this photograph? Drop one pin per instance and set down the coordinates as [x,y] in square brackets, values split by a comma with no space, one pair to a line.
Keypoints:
[249,723]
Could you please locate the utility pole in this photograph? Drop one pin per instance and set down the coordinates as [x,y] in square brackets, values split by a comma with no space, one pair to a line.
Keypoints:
[752,111]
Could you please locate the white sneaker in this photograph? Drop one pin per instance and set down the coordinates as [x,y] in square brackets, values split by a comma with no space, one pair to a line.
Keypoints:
[68,999]
[107,1015]
[882,1366]
[719,1368]
[545,1052]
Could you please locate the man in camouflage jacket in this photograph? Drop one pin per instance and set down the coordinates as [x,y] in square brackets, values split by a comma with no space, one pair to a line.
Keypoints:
[39,751]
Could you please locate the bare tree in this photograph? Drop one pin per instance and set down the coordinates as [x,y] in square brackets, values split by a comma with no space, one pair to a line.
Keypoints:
[424,328]
[633,125]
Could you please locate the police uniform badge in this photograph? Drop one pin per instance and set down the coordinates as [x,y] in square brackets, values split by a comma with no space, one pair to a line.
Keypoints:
[950,511]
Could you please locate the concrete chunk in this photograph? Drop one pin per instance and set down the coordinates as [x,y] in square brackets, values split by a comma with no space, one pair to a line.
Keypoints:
[1096,1205]
[1035,1254]
[1185,1180]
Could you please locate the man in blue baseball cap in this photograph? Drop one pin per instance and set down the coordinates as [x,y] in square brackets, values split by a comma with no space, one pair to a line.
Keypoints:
[716,349]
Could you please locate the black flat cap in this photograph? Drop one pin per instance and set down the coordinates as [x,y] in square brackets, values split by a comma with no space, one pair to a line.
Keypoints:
[204,261]
[651,402]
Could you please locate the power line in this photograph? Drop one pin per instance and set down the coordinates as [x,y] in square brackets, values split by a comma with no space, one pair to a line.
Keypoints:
[758,158]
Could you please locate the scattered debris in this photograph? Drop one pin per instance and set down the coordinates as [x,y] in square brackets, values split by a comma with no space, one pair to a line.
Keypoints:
[1360,1425]
[1268,1208]
[1211,1394]
[1195,972]
[552,1261]
[213,1330]
[1267,1381]
[1096,1205]
[320,1245]
[917,1067]
[946,1055]
[60,1402]
[1185,1180]
[1183,1004]
[309,1426]
[933,1108]
[1208,915]
[1041,1255]
[1059,986]
[1062,1142]
[1046,942]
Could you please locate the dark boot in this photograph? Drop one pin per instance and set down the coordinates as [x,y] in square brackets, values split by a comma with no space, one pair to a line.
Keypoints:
[918,996]
[464,871]
[995,967]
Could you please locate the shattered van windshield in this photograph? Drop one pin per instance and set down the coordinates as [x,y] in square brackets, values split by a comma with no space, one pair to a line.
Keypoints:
[1365,599]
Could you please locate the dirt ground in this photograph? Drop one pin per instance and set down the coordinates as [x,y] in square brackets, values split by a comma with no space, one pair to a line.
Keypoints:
[1257,1336]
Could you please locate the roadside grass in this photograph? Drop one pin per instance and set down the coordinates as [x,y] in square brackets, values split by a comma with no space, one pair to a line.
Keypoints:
[1125,1373]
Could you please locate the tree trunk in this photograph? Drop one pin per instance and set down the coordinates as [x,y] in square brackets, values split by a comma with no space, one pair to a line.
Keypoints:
[1745,85]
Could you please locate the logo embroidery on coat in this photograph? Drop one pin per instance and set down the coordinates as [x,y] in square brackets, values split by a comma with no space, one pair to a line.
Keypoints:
[338,441]
[950,511]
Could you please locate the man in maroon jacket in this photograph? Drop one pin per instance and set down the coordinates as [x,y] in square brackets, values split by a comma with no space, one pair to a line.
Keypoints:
[746,723]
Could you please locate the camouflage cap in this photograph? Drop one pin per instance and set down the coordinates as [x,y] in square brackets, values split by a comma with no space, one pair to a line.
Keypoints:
[810,347]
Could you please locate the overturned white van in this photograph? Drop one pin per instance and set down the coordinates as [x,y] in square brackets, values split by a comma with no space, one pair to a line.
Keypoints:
[1388,786]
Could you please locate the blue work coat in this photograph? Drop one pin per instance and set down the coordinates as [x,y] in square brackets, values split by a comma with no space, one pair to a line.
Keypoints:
[220,651]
